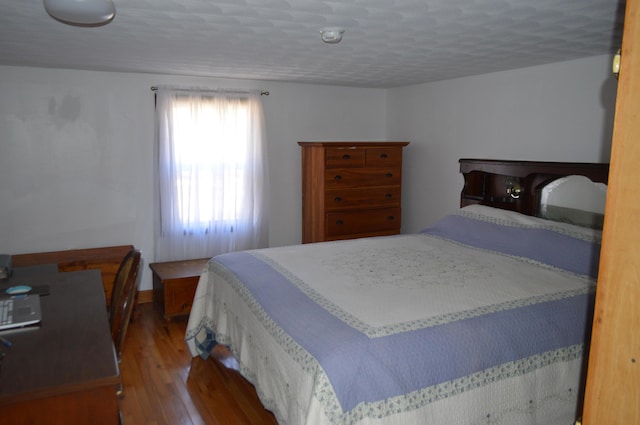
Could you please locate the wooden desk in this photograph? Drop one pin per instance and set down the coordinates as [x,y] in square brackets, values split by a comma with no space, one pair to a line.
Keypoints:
[64,371]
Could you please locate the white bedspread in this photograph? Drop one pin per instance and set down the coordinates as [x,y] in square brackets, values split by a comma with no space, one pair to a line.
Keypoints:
[388,291]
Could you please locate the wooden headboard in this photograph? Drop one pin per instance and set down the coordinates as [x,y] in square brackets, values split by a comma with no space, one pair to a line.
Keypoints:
[516,185]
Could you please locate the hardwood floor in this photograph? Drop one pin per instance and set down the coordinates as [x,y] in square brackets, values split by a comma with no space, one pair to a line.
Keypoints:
[164,386]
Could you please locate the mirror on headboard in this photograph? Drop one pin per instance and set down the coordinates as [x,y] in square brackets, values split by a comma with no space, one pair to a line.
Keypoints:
[574,199]
[516,185]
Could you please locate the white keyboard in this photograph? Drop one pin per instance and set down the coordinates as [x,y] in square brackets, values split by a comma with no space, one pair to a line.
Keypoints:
[6,311]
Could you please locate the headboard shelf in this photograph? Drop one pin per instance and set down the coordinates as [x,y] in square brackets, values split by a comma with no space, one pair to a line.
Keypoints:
[516,185]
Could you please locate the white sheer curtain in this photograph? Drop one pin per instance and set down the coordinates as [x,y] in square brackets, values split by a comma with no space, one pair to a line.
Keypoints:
[211,173]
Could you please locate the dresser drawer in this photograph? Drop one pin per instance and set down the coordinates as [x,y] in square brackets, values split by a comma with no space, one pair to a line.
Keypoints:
[343,223]
[385,196]
[344,157]
[383,157]
[362,177]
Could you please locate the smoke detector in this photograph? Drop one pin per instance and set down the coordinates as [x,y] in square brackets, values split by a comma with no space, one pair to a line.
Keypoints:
[332,35]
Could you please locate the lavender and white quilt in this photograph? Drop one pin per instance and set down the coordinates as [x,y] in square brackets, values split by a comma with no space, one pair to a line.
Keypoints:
[479,319]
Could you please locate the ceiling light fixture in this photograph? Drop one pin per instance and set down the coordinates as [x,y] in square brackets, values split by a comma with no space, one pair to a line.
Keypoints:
[81,13]
[332,35]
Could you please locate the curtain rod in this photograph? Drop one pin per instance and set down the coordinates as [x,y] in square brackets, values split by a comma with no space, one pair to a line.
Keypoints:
[262,93]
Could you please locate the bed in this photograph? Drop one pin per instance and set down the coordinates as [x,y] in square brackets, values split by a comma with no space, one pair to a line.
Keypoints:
[481,318]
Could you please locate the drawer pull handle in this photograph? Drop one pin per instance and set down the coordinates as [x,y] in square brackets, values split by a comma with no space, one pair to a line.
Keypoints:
[338,177]
[390,218]
[337,199]
[346,156]
[339,222]
[388,196]
[389,175]
[384,155]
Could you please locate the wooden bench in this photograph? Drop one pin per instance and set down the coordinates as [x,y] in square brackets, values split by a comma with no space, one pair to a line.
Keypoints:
[174,285]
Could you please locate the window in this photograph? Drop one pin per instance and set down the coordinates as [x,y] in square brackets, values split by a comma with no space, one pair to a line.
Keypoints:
[211,173]
[210,158]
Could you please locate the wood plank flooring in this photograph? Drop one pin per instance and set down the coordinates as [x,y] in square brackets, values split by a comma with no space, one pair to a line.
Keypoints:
[164,386]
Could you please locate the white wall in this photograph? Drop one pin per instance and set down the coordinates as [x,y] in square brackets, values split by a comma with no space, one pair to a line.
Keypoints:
[557,112]
[76,147]
[76,153]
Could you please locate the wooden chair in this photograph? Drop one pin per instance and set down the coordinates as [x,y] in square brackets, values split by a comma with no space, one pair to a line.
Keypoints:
[123,298]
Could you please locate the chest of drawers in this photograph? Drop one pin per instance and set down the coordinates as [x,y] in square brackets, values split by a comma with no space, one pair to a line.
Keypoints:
[350,189]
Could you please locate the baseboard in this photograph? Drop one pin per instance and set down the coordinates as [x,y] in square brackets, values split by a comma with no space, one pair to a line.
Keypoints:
[145,296]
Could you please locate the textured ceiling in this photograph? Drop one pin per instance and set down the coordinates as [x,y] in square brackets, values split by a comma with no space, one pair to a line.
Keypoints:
[387,43]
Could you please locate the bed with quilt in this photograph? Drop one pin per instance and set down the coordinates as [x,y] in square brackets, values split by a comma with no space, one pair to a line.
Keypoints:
[481,318]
